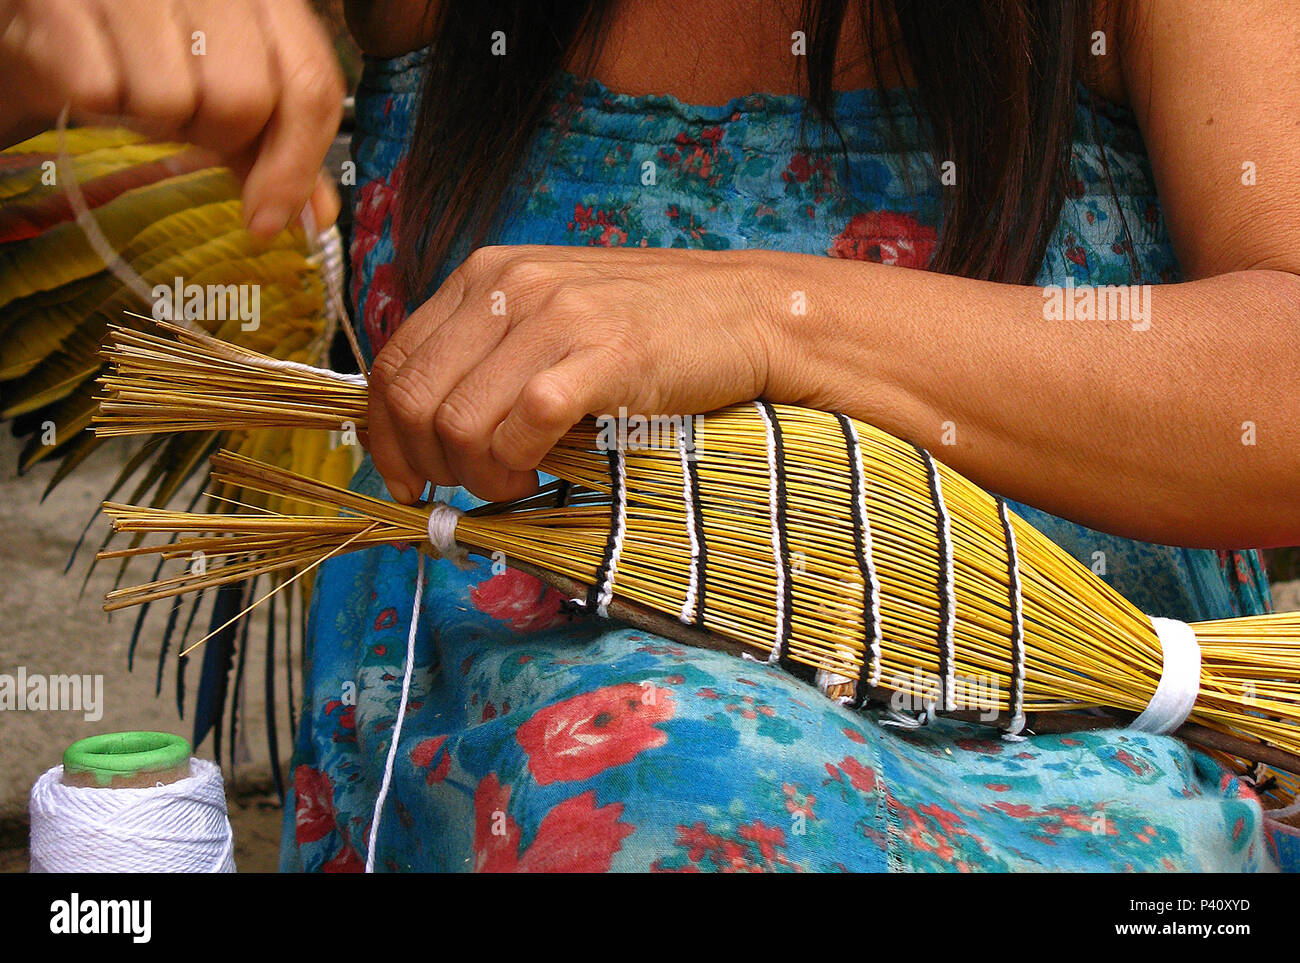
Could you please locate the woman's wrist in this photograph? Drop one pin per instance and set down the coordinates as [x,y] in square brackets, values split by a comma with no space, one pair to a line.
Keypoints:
[836,343]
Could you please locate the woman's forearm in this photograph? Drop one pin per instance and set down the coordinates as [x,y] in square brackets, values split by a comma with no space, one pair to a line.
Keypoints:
[1173,423]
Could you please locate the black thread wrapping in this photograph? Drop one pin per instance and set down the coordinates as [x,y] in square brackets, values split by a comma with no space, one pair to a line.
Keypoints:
[797,669]
[696,508]
[870,623]
[607,559]
[944,642]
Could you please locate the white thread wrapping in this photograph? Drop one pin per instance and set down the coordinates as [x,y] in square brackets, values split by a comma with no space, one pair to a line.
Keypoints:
[688,502]
[868,556]
[1180,679]
[391,761]
[442,530]
[179,827]
[773,512]
[1017,722]
[606,594]
[286,365]
[827,680]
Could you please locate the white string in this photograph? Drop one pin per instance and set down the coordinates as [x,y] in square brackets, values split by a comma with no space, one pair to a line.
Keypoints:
[688,504]
[89,226]
[401,715]
[442,531]
[286,365]
[775,655]
[1180,679]
[178,827]
[827,680]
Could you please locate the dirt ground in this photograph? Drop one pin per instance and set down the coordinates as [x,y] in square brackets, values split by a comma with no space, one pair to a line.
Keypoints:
[50,626]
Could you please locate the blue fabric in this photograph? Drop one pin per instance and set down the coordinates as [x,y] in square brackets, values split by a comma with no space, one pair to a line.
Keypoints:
[537,741]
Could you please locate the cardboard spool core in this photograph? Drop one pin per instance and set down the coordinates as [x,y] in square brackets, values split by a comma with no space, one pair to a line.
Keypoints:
[119,760]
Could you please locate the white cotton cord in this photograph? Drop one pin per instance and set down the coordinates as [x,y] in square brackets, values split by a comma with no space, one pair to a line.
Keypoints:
[1180,679]
[391,761]
[618,536]
[897,719]
[283,364]
[327,255]
[773,504]
[89,226]
[442,532]
[827,680]
[178,827]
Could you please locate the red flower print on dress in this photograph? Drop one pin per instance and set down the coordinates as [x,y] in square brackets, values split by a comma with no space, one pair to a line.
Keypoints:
[521,600]
[579,737]
[574,837]
[886,237]
[347,861]
[313,795]
[425,752]
[383,310]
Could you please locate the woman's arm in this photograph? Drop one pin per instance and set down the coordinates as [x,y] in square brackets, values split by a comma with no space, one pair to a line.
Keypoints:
[1181,432]
[1188,431]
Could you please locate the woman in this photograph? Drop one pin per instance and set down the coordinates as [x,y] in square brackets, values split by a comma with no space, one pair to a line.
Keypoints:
[532,245]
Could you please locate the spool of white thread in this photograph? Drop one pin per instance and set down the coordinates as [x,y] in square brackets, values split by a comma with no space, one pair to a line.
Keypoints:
[131,803]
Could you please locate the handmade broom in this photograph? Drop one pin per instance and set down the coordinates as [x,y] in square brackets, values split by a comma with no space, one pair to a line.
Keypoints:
[850,557]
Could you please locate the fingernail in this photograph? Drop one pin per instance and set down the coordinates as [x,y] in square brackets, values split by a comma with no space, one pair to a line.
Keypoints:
[400,493]
[268,220]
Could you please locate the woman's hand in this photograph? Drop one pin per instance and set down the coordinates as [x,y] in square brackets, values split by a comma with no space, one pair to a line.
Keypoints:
[521,342]
[255,81]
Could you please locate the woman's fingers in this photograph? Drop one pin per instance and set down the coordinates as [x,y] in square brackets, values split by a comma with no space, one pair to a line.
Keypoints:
[159,77]
[238,81]
[469,414]
[404,483]
[389,442]
[325,201]
[55,54]
[303,122]
[256,81]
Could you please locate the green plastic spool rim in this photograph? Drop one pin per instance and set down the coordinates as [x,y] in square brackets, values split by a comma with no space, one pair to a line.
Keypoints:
[120,754]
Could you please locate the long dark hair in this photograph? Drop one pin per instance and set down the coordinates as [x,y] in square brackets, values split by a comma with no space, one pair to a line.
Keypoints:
[996,81]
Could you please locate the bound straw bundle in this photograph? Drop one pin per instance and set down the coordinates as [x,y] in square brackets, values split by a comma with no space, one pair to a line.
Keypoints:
[849,556]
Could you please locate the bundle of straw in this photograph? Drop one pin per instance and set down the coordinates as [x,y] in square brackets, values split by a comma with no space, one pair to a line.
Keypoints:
[850,557]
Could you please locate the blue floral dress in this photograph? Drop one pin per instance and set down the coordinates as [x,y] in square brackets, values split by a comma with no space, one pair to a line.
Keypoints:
[539,740]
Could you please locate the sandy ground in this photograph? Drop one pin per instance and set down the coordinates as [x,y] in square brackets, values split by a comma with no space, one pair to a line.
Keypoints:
[50,626]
